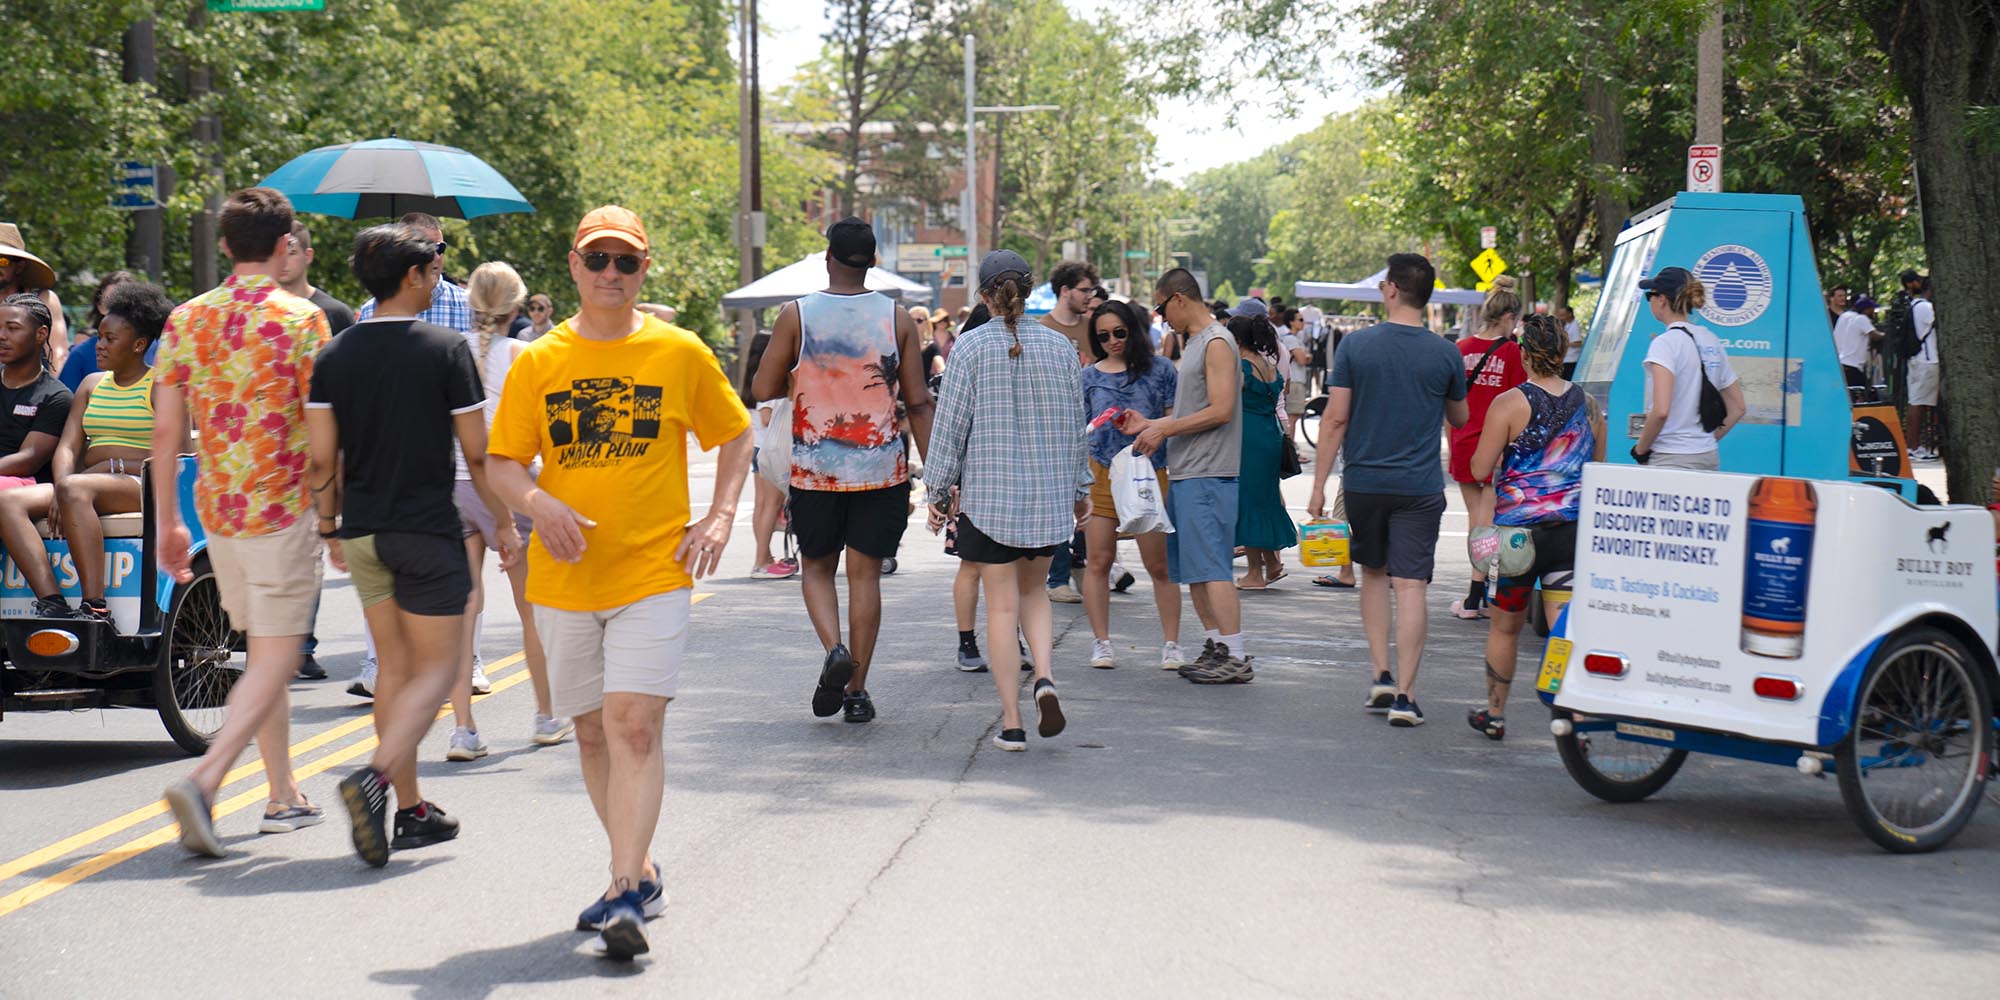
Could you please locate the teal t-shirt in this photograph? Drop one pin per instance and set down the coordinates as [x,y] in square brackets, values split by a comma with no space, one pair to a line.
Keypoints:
[1400,376]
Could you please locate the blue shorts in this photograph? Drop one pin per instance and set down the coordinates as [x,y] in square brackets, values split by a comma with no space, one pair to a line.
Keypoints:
[1202,547]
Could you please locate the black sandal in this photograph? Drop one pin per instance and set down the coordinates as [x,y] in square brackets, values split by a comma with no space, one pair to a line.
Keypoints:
[1494,726]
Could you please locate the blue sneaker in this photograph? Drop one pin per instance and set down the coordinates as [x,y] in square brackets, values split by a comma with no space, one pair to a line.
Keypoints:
[623,936]
[652,903]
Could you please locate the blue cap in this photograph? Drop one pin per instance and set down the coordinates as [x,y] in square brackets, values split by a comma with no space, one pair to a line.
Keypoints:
[1668,282]
[1251,307]
[1002,263]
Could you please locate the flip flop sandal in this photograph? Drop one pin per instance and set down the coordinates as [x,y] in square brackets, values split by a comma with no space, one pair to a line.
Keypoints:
[1329,580]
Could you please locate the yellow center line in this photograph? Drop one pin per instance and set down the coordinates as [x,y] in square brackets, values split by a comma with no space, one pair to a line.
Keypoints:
[60,848]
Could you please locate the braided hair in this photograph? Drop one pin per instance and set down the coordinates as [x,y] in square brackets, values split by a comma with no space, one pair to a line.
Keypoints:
[1009,299]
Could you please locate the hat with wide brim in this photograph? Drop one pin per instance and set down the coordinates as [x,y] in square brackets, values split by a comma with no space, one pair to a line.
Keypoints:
[38,274]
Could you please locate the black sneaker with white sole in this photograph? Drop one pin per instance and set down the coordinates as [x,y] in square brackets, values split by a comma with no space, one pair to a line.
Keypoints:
[1382,693]
[833,677]
[1012,739]
[1202,662]
[1049,708]
[1404,713]
[1483,719]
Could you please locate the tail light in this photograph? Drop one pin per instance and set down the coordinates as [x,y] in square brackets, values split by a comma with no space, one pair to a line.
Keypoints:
[1777,688]
[1605,664]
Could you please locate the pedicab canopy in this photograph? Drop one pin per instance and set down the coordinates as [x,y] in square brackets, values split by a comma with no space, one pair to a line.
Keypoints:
[1366,290]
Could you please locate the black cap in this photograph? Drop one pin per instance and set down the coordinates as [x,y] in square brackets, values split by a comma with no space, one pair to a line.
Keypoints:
[851,242]
[1668,282]
[1911,275]
[1000,263]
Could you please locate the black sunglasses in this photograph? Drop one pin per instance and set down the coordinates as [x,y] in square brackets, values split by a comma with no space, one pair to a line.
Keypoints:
[1115,333]
[596,260]
[1161,309]
[441,247]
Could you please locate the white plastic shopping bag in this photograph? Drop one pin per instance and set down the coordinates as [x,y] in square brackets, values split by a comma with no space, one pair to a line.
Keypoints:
[774,456]
[1135,491]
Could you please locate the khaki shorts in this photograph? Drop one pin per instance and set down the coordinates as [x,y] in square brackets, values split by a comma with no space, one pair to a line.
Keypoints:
[1923,383]
[633,649]
[269,583]
[1101,504]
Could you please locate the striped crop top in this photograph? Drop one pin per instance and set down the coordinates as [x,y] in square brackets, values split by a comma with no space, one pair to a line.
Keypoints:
[120,415]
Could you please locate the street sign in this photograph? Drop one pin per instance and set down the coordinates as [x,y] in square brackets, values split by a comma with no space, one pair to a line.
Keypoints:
[1488,265]
[1138,255]
[919,258]
[1705,169]
[262,6]
[954,271]
[1489,237]
[137,186]
[945,251]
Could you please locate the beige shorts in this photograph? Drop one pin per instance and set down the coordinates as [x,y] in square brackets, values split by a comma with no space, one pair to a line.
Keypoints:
[1923,383]
[269,583]
[633,649]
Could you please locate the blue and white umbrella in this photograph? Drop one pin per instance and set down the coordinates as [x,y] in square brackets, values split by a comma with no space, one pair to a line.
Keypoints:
[388,177]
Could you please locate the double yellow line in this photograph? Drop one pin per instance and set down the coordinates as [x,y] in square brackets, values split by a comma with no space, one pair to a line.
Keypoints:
[170,832]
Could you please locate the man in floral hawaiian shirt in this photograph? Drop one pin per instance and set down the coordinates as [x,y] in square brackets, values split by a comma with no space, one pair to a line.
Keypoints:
[239,359]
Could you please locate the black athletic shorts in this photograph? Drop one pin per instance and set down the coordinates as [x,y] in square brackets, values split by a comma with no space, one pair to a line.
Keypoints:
[974,546]
[1396,531]
[425,574]
[870,522]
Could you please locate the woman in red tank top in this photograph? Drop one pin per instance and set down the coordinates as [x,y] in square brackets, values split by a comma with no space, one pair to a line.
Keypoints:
[1497,358]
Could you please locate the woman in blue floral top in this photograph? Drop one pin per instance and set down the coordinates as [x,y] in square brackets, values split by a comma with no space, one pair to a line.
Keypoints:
[1127,375]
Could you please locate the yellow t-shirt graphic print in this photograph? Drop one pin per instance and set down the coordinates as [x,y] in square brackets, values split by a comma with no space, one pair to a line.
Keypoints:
[609,421]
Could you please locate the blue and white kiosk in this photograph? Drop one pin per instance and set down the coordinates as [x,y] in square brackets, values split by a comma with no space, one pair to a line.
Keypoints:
[1845,631]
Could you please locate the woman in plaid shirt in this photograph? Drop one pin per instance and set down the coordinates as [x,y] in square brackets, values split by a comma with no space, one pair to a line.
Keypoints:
[1009,433]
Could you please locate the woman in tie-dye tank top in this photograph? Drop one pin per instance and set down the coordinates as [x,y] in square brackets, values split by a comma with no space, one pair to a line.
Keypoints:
[1538,436]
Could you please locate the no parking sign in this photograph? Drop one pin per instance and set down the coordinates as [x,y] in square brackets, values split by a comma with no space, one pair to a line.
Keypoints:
[1705,169]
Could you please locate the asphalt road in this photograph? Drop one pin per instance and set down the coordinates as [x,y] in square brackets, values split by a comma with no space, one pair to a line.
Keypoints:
[1263,840]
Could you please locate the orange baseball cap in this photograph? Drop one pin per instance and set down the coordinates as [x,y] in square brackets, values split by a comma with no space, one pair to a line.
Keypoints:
[614,221]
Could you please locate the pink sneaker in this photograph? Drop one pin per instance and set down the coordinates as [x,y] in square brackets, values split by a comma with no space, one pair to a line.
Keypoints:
[778,570]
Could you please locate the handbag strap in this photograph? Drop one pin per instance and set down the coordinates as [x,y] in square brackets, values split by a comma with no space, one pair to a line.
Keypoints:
[1699,364]
[1481,366]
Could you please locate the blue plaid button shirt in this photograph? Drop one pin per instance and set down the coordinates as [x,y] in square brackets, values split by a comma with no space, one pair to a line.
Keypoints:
[1009,434]
[449,308]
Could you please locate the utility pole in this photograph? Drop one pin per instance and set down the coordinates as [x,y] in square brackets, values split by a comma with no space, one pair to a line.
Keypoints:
[969,212]
[143,245]
[1708,79]
[208,139]
[749,179]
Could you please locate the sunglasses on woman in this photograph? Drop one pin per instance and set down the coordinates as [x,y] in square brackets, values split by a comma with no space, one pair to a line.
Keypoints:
[1115,333]
[628,263]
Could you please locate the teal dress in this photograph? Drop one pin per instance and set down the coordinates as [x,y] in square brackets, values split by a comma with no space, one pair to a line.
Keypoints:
[1261,521]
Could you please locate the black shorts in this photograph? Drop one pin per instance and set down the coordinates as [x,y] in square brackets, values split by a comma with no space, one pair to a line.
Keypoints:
[975,547]
[425,574]
[1555,567]
[1396,531]
[870,522]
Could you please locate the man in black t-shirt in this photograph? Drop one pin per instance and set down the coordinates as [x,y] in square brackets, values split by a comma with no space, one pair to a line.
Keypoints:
[294,272]
[388,398]
[34,406]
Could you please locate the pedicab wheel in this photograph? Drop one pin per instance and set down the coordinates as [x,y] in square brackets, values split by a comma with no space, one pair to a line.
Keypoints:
[1912,768]
[1612,769]
[192,682]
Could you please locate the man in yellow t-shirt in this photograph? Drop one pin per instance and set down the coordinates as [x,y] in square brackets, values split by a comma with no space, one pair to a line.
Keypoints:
[606,400]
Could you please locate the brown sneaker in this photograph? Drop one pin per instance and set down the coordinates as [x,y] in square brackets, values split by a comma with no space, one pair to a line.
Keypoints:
[1225,669]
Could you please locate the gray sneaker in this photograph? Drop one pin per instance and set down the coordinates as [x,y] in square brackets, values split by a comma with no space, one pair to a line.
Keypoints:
[1202,662]
[466,744]
[550,731]
[196,817]
[1065,594]
[1225,669]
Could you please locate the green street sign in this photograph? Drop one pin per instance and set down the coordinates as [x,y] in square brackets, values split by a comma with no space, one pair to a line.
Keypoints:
[263,6]
[951,251]
[1138,255]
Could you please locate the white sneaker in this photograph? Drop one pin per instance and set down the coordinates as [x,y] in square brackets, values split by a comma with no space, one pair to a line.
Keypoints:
[1171,658]
[1100,654]
[480,685]
[364,683]
[466,744]
[550,731]
[1121,579]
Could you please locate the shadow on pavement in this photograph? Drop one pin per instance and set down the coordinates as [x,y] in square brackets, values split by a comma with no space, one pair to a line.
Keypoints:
[554,958]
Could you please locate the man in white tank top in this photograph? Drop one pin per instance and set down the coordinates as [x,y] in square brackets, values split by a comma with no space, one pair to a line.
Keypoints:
[850,356]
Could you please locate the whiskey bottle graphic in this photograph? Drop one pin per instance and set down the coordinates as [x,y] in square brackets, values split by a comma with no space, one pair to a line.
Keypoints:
[1778,564]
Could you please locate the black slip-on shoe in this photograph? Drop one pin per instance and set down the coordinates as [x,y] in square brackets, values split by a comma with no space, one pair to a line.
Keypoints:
[833,678]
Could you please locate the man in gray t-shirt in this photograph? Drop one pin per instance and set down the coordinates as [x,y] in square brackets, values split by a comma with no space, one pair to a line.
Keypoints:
[1207,431]
[1392,387]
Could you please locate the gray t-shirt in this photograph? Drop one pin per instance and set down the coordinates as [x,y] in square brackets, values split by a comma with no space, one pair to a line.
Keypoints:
[1216,453]
[1401,377]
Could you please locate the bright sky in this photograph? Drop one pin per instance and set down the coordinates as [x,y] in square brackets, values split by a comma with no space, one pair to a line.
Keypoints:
[795,39]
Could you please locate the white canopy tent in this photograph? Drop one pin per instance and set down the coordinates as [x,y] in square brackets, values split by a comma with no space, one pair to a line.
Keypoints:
[1365,291]
[809,275]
